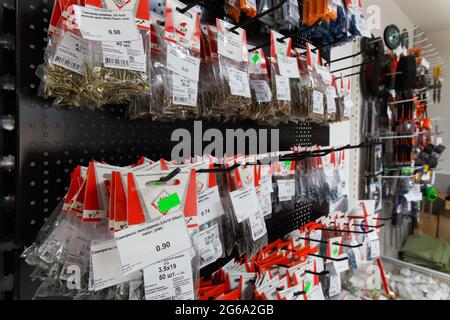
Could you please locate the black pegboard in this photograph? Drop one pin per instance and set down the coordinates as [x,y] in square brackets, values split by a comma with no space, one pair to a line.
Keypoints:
[52,141]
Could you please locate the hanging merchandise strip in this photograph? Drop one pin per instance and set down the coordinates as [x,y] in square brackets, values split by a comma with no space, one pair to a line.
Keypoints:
[162,242]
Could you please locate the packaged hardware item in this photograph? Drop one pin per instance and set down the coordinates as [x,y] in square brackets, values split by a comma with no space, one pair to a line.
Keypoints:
[118,55]
[183,40]
[233,62]
[260,85]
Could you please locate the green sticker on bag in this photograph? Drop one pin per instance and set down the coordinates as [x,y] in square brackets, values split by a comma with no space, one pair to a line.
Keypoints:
[307,286]
[166,204]
[255,58]
[335,251]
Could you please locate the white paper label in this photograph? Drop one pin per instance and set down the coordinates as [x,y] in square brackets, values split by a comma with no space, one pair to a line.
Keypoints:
[185,91]
[106,265]
[71,53]
[341,266]
[425,63]
[374,249]
[262,90]
[184,65]
[265,201]
[209,205]
[288,67]
[318,102]
[230,45]
[335,285]
[315,235]
[283,88]
[348,104]
[145,244]
[258,226]
[128,55]
[170,279]
[209,245]
[106,25]
[239,84]
[286,189]
[331,104]
[265,184]
[245,203]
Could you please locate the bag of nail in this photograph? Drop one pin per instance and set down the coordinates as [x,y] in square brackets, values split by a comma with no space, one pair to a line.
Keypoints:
[118,50]
[259,85]
[233,62]
[182,35]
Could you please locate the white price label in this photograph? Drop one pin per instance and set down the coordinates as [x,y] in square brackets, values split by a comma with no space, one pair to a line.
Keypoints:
[145,244]
[374,249]
[258,225]
[265,184]
[335,285]
[106,25]
[170,279]
[286,189]
[348,104]
[185,91]
[288,67]
[331,104]
[71,53]
[239,84]
[265,201]
[106,267]
[283,88]
[230,44]
[245,203]
[209,245]
[128,55]
[341,266]
[318,102]
[315,235]
[263,93]
[183,64]
[209,205]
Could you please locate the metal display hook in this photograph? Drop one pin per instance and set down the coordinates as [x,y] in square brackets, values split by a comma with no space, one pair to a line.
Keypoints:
[335,243]
[354,55]
[328,258]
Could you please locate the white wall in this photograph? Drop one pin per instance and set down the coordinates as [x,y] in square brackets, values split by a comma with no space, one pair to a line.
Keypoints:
[441,41]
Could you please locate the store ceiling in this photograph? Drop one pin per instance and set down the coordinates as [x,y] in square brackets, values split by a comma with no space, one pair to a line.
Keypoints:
[431,15]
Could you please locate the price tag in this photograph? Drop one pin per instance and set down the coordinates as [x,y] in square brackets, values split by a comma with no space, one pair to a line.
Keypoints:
[374,249]
[229,44]
[145,244]
[316,293]
[208,242]
[335,285]
[209,205]
[263,93]
[185,91]
[128,55]
[348,104]
[265,185]
[239,84]
[286,189]
[318,102]
[265,201]
[315,235]
[106,25]
[257,225]
[106,267]
[288,67]
[245,203]
[331,104]
[341,266]
[170,279]
[283,88]
[183,64]
[71,53]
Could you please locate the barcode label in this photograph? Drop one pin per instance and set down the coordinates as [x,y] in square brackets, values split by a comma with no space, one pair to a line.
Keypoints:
[109,62]
[66,63]
[71,53]
[185,91]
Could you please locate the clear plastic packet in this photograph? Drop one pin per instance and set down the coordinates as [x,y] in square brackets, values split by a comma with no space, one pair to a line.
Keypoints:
[263,5]
[291,14]
[216,85]
[63,75]
[152,105]
[283,68]
[233,63]
[284,186]
[118,67]
[182,36]
[331,103]
[260,86]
